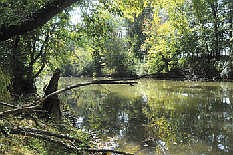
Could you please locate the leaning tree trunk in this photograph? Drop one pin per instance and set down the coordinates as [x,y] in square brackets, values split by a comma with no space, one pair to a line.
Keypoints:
[52,104]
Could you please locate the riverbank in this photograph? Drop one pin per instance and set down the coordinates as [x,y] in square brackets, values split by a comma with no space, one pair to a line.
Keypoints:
[176,76]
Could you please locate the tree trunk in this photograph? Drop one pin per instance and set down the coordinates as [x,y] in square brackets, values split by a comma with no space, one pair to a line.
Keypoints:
[52,104]
[97,63]
[21,83]
[214,8]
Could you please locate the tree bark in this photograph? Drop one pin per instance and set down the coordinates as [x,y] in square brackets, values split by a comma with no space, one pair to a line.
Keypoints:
[35,20]
[52,103]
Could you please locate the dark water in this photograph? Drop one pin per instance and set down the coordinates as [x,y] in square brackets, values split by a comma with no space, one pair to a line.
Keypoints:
[156,117]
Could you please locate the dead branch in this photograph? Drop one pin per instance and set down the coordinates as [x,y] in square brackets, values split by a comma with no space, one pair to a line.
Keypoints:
[95,82]
[44,132]
[8,105]
[15,111]
[44,137]
[37,104]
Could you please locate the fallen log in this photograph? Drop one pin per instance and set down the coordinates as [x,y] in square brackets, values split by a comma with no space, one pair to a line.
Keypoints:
[38,103]
[95,82]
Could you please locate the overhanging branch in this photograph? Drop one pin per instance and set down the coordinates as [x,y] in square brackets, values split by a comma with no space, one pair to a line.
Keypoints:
[95,82]
[35,20]
[67,142]
[37,103]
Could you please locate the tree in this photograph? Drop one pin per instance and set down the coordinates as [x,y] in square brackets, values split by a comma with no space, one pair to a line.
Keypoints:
[136,28]
[98,27]
[34,51]
[181,32]
[31,20]
[118,58]
[25,51]
[209,22]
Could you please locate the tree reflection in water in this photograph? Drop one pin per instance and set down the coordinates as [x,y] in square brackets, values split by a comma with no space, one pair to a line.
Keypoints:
[160,117]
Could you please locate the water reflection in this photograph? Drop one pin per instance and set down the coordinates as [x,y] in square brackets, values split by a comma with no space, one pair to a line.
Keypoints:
[157,117]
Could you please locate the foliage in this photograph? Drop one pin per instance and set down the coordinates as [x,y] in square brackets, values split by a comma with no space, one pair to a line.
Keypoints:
[12,14]
[118,58]
[4,82]
[162,36]
[98,26]
[175,32]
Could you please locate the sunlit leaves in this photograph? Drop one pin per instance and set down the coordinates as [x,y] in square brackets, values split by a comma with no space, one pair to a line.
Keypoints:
[130,8]
[11,13]
[201,8]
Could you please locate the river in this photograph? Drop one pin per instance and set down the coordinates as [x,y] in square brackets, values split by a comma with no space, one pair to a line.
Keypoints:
[156,116]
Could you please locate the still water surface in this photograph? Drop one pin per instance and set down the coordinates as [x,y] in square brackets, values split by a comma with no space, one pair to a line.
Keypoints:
[156,116]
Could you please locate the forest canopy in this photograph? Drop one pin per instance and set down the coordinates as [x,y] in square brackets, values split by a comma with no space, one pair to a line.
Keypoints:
[123,38]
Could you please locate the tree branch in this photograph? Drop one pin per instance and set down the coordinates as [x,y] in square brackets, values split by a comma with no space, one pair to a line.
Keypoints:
[44,137]
[89,83]
[18,110]
[38,102]
[35,20]
[104,151]
[44,132]
[8,105]
[44,45]
[40,70]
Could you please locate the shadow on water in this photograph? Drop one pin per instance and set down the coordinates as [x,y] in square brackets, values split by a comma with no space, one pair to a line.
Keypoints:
[157,117]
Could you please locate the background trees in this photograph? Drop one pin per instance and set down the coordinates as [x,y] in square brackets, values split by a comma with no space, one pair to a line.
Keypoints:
[123,38]
[191,36]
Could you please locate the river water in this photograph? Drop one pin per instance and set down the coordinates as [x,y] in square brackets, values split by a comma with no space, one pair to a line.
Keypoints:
[156,116]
